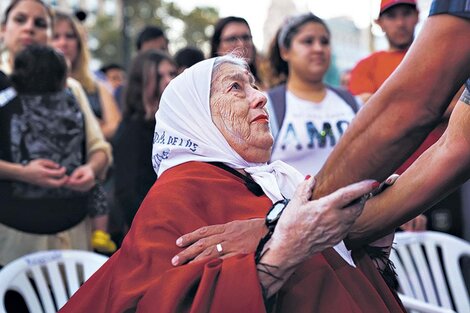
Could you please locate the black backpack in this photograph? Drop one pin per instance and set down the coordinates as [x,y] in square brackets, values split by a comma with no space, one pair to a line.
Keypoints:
[49,126]
[277,96]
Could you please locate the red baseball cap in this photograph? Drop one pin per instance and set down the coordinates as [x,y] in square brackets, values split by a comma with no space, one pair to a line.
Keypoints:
[387,4]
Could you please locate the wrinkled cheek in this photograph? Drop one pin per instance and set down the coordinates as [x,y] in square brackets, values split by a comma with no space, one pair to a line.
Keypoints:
[236,127]
[234,122]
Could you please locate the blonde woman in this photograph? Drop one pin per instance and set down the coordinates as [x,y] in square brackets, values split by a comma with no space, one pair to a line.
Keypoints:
[69,38]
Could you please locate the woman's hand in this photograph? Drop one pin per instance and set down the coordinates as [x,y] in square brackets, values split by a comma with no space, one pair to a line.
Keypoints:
[82,179]
[307,227]
[44,173]
[234,237]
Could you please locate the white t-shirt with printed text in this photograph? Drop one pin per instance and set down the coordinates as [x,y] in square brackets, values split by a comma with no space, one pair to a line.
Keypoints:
[310,131]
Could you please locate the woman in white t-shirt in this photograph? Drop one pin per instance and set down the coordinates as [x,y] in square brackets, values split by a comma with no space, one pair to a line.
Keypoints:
[314,115]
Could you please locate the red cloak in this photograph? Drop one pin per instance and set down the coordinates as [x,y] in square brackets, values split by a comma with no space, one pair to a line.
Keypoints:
[139,277]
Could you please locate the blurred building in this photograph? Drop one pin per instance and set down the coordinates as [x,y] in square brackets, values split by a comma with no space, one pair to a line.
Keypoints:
[349,43]
[277,13]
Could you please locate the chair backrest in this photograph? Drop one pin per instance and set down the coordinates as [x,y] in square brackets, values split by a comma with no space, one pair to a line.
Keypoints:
[429,268]
[47,279]
[413,305]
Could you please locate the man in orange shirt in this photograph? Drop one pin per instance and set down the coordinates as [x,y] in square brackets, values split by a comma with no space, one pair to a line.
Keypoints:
[398,20]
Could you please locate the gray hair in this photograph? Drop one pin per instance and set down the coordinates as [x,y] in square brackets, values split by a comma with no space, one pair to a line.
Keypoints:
[230,58]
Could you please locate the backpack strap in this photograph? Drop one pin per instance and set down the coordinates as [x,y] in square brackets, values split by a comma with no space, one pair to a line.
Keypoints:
[7,92]
[277,97]
[346,96]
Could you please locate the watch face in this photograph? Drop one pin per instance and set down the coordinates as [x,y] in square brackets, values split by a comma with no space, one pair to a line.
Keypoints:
[276,211]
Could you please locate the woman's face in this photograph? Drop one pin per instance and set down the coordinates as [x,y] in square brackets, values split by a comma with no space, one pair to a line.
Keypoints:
[166,72]
[28,23]
[309,53]
[236,36]
[65,40]
[238,111]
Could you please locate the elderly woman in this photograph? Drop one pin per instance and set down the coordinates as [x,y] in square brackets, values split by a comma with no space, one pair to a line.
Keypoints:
[211,145]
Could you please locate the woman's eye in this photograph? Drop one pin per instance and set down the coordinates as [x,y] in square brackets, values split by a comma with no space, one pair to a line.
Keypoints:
[20,19]
[325,41]
[40,23]
[235,86]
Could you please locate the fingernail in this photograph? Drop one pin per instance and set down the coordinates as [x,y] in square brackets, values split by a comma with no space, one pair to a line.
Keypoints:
[375,184]
[175,260]
[179,241]
[307,177]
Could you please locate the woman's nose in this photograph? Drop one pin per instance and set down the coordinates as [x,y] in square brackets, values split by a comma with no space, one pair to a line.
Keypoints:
[59,42]
[317,45]
[29,25]
[259,100]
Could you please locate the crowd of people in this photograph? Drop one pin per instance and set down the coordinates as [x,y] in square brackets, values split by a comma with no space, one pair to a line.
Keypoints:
[249,190]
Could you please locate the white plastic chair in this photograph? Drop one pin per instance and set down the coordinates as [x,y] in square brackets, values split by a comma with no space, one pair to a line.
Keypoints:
[417,306]
[57,274]
[429,269]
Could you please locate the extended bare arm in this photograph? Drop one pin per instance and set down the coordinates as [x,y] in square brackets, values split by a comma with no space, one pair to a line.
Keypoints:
[407,106]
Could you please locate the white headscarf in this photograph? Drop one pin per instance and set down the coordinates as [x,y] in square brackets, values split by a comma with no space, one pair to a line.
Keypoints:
[184,132]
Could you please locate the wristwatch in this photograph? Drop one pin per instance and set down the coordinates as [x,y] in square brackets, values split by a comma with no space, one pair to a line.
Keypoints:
[275,213]
[271,221]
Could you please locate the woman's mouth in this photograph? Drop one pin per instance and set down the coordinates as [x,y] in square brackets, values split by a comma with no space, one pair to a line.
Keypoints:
[27,41]
[262,118]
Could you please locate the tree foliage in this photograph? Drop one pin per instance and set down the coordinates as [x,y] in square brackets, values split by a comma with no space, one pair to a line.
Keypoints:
[182,28]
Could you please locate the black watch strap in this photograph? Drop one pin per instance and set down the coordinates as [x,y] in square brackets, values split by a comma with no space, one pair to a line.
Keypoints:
[271,225]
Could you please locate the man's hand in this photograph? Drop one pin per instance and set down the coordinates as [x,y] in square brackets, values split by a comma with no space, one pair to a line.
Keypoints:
[234,237]
[82,179]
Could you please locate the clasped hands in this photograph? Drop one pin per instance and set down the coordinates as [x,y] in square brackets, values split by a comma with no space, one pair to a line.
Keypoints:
[323,222]
[47,173]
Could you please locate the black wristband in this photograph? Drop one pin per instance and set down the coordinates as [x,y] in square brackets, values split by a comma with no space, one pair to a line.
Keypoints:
[262,242]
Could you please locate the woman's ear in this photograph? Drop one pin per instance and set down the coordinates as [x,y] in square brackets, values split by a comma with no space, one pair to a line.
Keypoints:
[284,53]
[2,31]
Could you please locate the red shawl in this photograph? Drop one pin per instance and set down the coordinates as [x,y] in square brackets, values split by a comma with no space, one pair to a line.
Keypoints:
[139,277]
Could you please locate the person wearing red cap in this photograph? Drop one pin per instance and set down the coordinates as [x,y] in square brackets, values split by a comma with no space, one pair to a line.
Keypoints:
[398,19]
